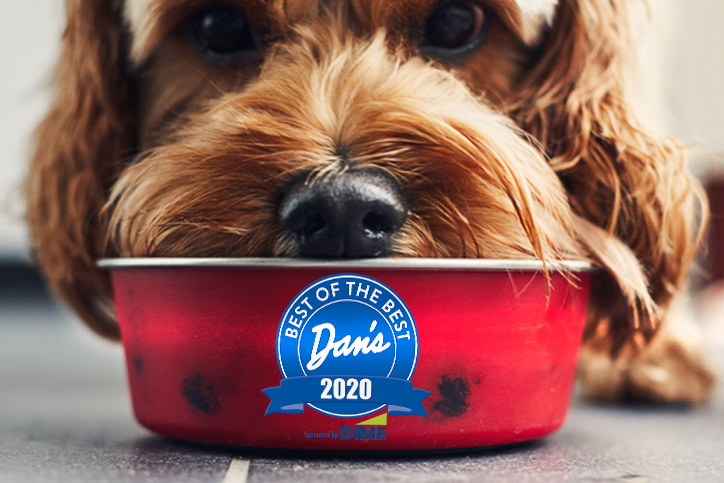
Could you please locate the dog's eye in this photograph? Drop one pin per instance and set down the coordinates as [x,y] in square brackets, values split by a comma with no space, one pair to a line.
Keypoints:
[222,32]
[453,29]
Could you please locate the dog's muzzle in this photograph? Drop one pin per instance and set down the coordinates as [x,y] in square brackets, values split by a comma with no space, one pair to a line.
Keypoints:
[353,214]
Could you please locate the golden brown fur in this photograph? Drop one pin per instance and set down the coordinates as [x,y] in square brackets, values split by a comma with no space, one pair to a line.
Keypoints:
[521,150]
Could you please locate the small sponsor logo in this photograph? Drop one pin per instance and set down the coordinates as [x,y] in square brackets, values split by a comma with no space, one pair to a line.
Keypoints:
[362,433]
[374,429]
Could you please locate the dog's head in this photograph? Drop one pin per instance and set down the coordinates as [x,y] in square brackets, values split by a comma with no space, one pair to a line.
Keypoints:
[356,128]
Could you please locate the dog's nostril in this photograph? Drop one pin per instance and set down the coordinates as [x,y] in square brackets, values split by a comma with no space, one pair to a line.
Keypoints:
[376,223]
[309,226]
[303,213]
[314,225]
[354,214]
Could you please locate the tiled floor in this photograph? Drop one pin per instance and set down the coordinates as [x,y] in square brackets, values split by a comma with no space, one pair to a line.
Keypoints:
[65,416]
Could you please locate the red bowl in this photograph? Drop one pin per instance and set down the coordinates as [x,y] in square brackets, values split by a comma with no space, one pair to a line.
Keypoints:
[398,355]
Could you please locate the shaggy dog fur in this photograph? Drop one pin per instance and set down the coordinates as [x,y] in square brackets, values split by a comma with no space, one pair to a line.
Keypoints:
[523,147]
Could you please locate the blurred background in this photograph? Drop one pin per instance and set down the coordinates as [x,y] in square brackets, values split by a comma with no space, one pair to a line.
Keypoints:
[29,45]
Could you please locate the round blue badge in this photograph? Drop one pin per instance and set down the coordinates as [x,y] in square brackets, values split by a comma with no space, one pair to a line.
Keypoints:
[346,346]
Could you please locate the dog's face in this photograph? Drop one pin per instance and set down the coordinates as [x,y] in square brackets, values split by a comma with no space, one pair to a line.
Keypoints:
[333,129]
[356,128]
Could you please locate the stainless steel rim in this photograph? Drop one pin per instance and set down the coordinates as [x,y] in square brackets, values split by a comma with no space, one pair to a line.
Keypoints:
[376,263]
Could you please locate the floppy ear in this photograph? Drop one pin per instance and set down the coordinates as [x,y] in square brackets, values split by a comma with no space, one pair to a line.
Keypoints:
[80,145]
[632,184]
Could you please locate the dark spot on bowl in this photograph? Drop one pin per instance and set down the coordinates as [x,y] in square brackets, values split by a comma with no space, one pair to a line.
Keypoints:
[455,396]
[138,364]
[199,393]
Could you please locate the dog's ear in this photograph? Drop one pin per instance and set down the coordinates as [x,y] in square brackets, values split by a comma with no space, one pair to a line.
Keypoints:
[632,184]
[80,145]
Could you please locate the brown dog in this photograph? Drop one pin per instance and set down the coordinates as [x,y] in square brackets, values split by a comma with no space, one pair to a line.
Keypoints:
[365,128]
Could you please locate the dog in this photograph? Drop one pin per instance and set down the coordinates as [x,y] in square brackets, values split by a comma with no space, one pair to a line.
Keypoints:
[374,128]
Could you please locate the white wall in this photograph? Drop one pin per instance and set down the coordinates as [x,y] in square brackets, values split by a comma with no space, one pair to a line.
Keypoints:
[695,92]
[29,35]
[683,92]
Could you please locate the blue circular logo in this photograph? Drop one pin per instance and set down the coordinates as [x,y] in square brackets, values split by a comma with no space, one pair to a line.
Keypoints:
[353,329]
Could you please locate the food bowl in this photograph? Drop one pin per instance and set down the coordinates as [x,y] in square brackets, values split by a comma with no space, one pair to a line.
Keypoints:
[378,355]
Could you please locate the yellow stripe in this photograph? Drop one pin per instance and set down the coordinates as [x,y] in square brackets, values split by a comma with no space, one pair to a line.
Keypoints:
[380,420]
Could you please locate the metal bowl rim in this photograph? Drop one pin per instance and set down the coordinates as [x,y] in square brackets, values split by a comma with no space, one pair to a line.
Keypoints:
[376,263]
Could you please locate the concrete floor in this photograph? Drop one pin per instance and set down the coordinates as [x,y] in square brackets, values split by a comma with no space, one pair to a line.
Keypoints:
[65,416]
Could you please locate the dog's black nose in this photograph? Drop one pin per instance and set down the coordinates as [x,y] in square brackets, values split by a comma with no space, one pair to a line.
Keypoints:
[351,215]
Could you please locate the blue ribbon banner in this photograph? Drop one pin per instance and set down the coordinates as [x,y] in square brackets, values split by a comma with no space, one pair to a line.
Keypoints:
[293,393]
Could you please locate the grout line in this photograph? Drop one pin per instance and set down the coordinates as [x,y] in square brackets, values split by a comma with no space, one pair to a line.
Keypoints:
[238,471]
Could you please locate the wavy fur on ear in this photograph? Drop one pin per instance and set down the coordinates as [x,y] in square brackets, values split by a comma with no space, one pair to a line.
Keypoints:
[620,177]
[79,146]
